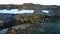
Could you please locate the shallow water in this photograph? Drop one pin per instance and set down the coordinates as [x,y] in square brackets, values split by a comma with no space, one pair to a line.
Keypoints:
[51,26]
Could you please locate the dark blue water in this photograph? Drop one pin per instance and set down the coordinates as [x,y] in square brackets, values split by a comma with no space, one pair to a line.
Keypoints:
[51,26]
[8,20]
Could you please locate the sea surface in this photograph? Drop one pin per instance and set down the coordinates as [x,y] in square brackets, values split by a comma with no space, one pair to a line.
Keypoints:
[50,26]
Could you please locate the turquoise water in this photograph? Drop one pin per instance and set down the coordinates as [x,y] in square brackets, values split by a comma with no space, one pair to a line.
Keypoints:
[52,26]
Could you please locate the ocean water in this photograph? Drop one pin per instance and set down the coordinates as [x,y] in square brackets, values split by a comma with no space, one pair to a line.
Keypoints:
[50,26]
[8,19]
